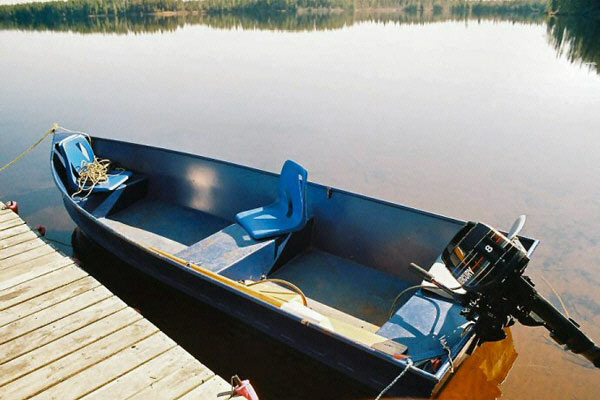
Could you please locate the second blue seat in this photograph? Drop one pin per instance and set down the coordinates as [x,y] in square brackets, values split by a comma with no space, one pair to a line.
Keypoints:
[287,213]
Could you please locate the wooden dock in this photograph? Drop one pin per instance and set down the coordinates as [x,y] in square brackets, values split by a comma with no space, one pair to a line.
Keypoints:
[65,336]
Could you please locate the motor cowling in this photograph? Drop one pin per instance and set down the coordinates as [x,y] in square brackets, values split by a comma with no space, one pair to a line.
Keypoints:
[480,258]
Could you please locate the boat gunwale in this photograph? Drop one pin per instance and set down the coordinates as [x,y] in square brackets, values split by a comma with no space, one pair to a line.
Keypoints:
[309,182]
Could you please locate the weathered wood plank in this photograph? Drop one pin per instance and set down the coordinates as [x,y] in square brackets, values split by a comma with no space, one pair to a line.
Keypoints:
[143,376]
[60,328]
[40,285]
[107,370]
[13,231]
[8,216]
[63,335]
[189,374]
[214,388]
[62,369]
[11,223]
[48,299]
[4,209]
[24,272]
[18,239]
[52,313]
[21,248]
[67,344]
[27,256]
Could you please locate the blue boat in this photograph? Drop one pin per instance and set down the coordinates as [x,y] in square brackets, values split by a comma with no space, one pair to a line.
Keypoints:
[316,267]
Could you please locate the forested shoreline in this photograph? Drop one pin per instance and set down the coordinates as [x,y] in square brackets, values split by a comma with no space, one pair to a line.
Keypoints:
[78,9]
[82,9]
[122,16]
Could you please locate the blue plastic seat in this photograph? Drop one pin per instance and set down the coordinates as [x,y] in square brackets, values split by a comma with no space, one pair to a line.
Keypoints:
[77,152]
[287,213]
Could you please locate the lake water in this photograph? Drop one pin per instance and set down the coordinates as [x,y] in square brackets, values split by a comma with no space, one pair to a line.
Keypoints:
[481,120]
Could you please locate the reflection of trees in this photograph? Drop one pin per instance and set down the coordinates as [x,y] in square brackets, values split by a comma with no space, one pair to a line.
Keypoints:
[59,17]
[70,10]
[574,7]
[578,38]
[116,25]
[576,31]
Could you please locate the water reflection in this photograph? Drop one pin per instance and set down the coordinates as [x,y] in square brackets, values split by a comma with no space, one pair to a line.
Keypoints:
[261,21]
[579,38]
[482,373]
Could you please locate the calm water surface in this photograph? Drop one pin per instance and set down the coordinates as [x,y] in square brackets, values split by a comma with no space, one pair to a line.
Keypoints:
[481,121]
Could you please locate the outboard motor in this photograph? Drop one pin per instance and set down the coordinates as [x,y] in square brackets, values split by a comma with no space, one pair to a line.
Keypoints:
[489,266]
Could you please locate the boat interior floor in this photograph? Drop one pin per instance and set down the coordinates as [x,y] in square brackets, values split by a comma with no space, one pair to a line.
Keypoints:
[150,222]
[284,294]
[335,287]
[341,284]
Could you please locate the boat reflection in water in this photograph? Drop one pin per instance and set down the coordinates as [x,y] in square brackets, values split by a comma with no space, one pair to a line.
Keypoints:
[480,376]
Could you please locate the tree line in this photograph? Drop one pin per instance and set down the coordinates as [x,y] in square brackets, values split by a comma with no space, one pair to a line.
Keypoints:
[81,9]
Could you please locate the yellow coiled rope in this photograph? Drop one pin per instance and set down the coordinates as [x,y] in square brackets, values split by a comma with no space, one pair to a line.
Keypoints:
[92,174]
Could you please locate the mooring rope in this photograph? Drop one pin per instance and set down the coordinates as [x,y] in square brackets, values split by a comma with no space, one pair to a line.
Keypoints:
[409,364]
[445,346]
[51,131]
[30,148]
[90,174]
[562,304]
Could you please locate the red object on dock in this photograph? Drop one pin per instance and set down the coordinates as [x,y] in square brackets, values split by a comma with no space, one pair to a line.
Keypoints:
[244,389]
[13,206]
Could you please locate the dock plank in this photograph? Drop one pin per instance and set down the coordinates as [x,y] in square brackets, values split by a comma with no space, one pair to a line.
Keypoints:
[70,343]
[52,313]
[26,256]
[109,369]
[40,285]
[59,328]
[4,209]
[63,335]
[20,248]
[7,215]
[139,378]
[190,375]
[18,239]
[7,233]
[10,223]
[48,299]
[211,389]
[63,368]
[23,272]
